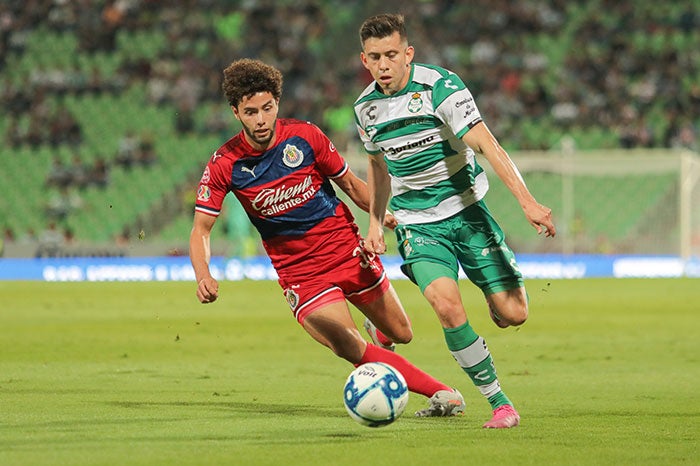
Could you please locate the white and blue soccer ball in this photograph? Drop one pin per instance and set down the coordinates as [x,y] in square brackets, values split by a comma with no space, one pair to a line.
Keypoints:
[375,394]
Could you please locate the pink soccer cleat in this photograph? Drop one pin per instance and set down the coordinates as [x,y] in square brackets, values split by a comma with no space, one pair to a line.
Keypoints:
[504,417]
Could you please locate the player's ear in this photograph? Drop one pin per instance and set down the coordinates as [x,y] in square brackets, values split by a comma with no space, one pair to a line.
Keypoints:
[235,113]
[410,52]
[363,58]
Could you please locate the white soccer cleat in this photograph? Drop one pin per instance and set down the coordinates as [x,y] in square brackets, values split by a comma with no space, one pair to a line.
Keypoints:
[372,331]
[443,403]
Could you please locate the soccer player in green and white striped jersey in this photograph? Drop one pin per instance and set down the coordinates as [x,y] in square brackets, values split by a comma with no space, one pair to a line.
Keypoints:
[422,129]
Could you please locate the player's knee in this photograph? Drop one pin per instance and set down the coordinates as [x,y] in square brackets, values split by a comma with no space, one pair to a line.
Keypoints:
[449,311]
[405,335]
[508,308]
[514,315]
[519,317]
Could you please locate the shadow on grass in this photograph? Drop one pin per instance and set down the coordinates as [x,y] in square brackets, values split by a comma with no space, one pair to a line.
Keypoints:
[262,407]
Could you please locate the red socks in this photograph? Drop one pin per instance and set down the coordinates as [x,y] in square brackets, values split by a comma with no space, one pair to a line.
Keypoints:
[417,380]
[383,339]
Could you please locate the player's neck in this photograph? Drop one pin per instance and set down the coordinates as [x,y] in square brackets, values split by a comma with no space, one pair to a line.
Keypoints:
[261,147]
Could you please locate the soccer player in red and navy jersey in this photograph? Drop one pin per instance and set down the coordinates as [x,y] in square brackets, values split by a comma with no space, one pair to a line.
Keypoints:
[281,171]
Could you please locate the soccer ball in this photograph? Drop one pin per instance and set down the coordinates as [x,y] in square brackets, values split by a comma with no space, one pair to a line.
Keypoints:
[375,394]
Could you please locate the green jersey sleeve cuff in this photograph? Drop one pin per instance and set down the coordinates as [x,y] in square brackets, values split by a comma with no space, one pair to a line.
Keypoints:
[464,130]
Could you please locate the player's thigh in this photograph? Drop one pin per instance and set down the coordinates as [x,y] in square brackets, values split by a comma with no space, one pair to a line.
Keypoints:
[485,257]
[332,325]
[365,284]
[427,252]
[387,313]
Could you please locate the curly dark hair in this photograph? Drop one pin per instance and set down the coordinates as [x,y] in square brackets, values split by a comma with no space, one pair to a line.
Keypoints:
[246,77]
[383,25]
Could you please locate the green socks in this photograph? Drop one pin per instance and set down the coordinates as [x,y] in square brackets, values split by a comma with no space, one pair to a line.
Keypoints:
[472,354]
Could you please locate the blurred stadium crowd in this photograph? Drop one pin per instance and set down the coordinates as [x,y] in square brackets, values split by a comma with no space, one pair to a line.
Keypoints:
[610,74]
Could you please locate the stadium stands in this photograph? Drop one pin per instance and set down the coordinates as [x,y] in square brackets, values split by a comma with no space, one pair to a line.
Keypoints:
[604,73]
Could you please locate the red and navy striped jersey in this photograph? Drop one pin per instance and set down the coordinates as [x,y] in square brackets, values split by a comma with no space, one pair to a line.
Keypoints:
[285,190]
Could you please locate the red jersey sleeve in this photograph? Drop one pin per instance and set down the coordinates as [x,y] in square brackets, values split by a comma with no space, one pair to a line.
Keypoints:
[329,162]
[214,185]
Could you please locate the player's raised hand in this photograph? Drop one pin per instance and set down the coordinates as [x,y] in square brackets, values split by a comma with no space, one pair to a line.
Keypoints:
[207,290]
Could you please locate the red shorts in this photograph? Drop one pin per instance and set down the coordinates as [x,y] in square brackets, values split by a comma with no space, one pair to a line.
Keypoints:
[358,277]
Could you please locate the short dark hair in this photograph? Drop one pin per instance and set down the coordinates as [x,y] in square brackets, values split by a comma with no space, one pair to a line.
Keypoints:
[246,77]
[383,25]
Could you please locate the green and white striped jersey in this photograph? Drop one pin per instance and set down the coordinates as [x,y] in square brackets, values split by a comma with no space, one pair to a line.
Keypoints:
[434,175]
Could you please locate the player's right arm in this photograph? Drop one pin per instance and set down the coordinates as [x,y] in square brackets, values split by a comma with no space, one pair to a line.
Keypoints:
[200,255]
[379,185]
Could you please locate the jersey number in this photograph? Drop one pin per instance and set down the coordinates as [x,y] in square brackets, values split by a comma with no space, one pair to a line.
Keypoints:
[366,259]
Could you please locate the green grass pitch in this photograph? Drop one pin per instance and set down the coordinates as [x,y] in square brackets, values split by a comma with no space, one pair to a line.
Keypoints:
[604,372]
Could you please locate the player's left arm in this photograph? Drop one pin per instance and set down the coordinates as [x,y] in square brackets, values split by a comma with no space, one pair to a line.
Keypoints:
[483,142]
